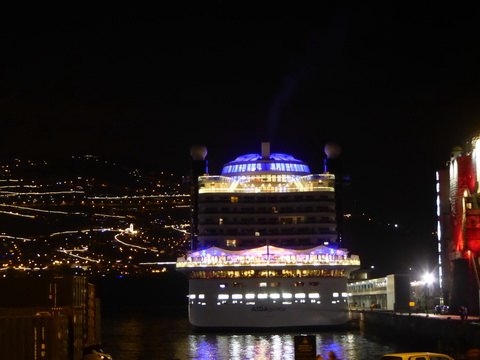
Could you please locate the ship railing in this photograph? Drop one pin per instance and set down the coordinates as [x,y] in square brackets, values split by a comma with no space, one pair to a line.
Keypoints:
[188,262]
[257,189]
[368,291]
[316,177]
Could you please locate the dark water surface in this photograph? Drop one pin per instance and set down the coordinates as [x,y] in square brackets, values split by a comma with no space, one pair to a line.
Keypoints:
[143,334]
[146,319]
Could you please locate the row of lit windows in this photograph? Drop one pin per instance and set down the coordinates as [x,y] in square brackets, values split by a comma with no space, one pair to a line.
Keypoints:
[271,284]
[265,259]
[368,285]
[221,274]
[212,230]
[274,220]
[254,242]
[270,180]
[274,296]
[265,296]
[251,167]
[263,210]
[270,198]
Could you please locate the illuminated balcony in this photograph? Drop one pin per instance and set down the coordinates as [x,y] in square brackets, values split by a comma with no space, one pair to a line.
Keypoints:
[268,256]
[266,183]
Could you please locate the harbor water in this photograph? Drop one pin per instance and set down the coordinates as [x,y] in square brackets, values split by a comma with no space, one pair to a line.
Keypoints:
[147,334]
[146,319]
[144,335]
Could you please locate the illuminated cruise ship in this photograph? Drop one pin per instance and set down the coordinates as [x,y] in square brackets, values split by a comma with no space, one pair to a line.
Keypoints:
[264,246]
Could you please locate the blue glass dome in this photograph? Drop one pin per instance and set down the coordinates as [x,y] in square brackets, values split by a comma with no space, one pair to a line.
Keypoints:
[275,163]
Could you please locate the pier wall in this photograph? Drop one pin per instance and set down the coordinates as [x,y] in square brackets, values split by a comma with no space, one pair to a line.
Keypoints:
[443,334]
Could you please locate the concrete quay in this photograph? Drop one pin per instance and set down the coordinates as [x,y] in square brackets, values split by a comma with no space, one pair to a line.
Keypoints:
[442,333]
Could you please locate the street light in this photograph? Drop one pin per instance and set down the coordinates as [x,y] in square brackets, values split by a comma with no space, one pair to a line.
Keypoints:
[428,280]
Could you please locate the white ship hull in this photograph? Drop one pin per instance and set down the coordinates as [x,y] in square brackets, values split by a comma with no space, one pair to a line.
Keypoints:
[319,302]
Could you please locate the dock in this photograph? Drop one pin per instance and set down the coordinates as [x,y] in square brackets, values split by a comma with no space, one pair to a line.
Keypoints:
[444,333]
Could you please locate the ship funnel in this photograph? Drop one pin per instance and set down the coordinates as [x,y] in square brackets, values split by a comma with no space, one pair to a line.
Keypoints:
[265,150]
[456,152]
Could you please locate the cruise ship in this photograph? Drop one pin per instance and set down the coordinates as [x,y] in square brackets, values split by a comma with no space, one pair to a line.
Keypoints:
[265,250]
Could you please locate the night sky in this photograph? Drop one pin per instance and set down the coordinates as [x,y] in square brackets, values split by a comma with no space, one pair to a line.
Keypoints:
[396,86]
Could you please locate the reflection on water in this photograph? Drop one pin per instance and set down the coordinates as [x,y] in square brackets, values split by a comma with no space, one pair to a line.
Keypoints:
[280,346]
[240,346]
[141,335]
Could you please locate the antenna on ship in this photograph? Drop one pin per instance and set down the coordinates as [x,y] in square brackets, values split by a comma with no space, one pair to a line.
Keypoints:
[265,150]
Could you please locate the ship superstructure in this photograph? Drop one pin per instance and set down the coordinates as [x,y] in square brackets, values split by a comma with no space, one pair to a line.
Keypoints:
[266,251]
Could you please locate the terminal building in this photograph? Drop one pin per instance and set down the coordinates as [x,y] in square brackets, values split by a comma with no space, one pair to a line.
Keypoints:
[391,293]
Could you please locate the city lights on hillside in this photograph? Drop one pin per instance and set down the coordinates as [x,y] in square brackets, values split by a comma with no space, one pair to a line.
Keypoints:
[87,224]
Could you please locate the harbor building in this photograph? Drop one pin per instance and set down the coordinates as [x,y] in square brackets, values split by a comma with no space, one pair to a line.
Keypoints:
[458,211]
[50,316]
[390,293]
